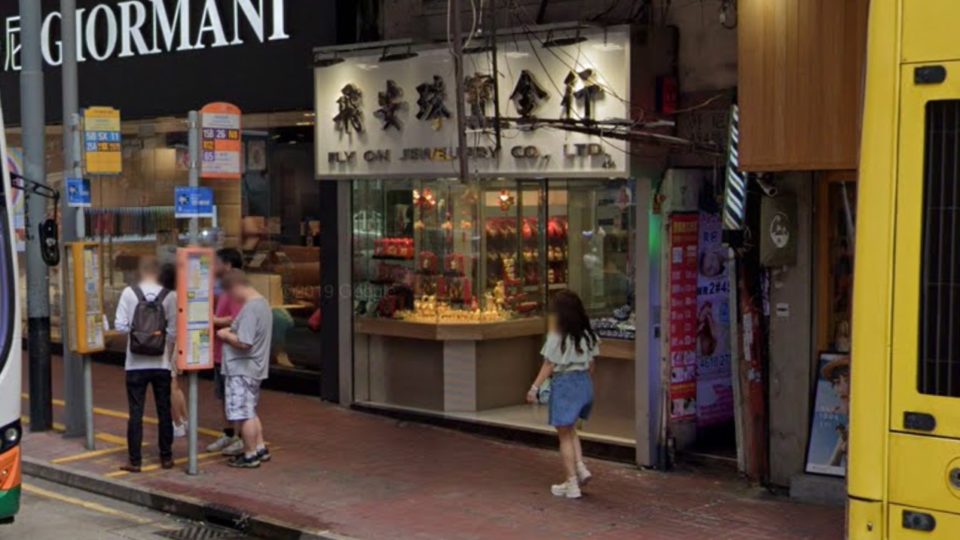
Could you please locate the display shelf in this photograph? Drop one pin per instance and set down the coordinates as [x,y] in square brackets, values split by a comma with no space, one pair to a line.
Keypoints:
[480,331]
[621,349]
[391,258]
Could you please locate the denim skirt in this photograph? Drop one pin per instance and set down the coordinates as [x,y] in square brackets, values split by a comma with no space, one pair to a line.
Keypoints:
[571,398]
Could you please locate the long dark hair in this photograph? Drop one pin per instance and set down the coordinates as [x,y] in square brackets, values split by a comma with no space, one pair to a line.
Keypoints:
[572,321]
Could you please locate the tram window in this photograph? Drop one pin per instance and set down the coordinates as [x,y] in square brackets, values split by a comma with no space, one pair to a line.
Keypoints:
[7,282]
[939,355]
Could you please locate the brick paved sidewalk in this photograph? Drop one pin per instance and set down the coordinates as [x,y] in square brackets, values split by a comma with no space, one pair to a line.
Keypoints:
[373,478]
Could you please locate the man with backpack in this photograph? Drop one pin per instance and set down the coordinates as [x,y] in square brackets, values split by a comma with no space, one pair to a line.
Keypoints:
[147,314]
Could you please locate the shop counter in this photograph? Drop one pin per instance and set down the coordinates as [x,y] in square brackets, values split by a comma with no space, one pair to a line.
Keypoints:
[452,367]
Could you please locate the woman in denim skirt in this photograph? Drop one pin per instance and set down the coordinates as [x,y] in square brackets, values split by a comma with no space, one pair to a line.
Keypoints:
[568,355]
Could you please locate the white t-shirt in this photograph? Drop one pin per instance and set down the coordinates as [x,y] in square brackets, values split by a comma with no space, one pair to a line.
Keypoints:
[567,358]
[125,309]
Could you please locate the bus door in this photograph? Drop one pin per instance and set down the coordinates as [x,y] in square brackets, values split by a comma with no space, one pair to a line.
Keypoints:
[924,415]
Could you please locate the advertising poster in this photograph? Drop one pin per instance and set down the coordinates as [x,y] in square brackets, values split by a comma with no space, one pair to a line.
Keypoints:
[194,324]
[103,152]
[683,316]
[15,166]
[714,382]
[220,143]
[827,446]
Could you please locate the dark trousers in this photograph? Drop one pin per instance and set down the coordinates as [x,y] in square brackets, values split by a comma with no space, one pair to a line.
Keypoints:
[137,382]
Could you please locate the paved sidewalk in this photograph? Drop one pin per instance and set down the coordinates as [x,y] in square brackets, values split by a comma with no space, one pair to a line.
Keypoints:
[373,478]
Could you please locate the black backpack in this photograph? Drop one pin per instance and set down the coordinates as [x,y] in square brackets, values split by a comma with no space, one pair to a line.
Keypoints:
[148,330]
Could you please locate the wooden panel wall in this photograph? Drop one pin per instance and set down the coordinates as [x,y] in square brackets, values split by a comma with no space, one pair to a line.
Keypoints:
[800,83]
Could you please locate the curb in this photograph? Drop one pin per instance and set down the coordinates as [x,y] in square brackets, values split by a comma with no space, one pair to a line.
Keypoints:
[186,507]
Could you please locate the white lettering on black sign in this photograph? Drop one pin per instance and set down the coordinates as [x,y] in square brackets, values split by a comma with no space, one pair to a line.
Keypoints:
[147,27]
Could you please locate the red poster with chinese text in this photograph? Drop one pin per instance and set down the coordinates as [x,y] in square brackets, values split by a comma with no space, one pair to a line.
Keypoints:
[683,315]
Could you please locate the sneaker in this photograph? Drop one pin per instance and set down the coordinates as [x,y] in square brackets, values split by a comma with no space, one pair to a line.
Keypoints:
[221,443]
[264,455]
[569,489]
[583,474]
[235,448]
[166,464]
[244,462]
[180,430]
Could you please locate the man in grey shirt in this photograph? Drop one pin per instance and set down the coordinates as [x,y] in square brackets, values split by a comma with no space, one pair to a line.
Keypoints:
[246,363]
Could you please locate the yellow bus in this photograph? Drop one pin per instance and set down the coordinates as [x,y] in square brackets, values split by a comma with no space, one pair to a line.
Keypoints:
[904,448]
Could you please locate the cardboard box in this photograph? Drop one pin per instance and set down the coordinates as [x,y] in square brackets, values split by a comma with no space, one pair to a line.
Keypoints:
[270,286]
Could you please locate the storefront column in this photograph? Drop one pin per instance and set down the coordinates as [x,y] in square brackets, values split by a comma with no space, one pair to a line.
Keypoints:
[647,357]
[335,298]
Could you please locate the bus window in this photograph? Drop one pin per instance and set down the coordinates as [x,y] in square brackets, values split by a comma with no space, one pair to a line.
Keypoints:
[939,358]
[7,283]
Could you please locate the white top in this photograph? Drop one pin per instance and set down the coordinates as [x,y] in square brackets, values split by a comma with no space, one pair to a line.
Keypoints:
[125,309]
[568,359]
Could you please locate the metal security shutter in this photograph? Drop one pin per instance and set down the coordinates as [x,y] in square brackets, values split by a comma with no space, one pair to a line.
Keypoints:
[939,369]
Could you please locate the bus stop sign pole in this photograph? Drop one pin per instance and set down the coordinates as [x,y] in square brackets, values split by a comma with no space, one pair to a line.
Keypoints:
[193,122]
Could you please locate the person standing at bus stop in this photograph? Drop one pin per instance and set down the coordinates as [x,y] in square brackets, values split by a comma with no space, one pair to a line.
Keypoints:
[147,314]
[246,364]
[225,312]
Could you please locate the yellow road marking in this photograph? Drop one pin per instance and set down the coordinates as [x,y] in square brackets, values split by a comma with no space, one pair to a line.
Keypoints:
[156,466]
[57,426]
[126,416]
[91,454]
[112,439]
[87,505]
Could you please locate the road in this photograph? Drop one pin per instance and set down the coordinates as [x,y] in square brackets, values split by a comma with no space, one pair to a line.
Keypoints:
[54,512]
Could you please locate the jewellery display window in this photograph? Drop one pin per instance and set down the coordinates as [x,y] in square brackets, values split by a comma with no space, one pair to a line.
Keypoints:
[443,251]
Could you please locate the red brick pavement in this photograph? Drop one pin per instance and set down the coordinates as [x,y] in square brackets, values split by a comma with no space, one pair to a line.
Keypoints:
[369,477]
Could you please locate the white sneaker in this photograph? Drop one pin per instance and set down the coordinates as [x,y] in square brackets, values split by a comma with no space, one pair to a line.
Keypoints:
[583,474]
[569,489]
[235,448]
[221,443]
[180,430]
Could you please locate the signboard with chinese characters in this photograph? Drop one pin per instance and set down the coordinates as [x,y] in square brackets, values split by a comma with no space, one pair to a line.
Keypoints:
[399,118]
[102,149]
[683,316]
[195,309]
[220,142]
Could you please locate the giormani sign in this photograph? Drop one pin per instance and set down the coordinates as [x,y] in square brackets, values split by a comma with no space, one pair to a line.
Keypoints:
[145,27]
[165,57]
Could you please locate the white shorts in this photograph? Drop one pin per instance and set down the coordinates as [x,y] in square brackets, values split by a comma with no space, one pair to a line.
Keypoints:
[242,394]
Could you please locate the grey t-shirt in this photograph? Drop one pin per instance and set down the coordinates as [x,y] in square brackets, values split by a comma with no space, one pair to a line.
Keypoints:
[253,326]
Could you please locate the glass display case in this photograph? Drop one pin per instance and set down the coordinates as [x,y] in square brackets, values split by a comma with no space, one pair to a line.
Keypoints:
[446,252]
[591,249]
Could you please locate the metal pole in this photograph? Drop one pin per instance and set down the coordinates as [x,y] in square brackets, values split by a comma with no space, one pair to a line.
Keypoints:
[72,364]
[87,366]
[496,74]
[458,65]
[193,123]
[38,281]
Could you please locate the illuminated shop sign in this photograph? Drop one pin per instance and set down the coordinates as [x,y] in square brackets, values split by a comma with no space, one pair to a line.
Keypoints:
[394,113]
[134,28]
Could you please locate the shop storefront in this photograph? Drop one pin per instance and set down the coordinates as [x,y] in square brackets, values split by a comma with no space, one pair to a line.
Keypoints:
[450,279]
[155,61]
